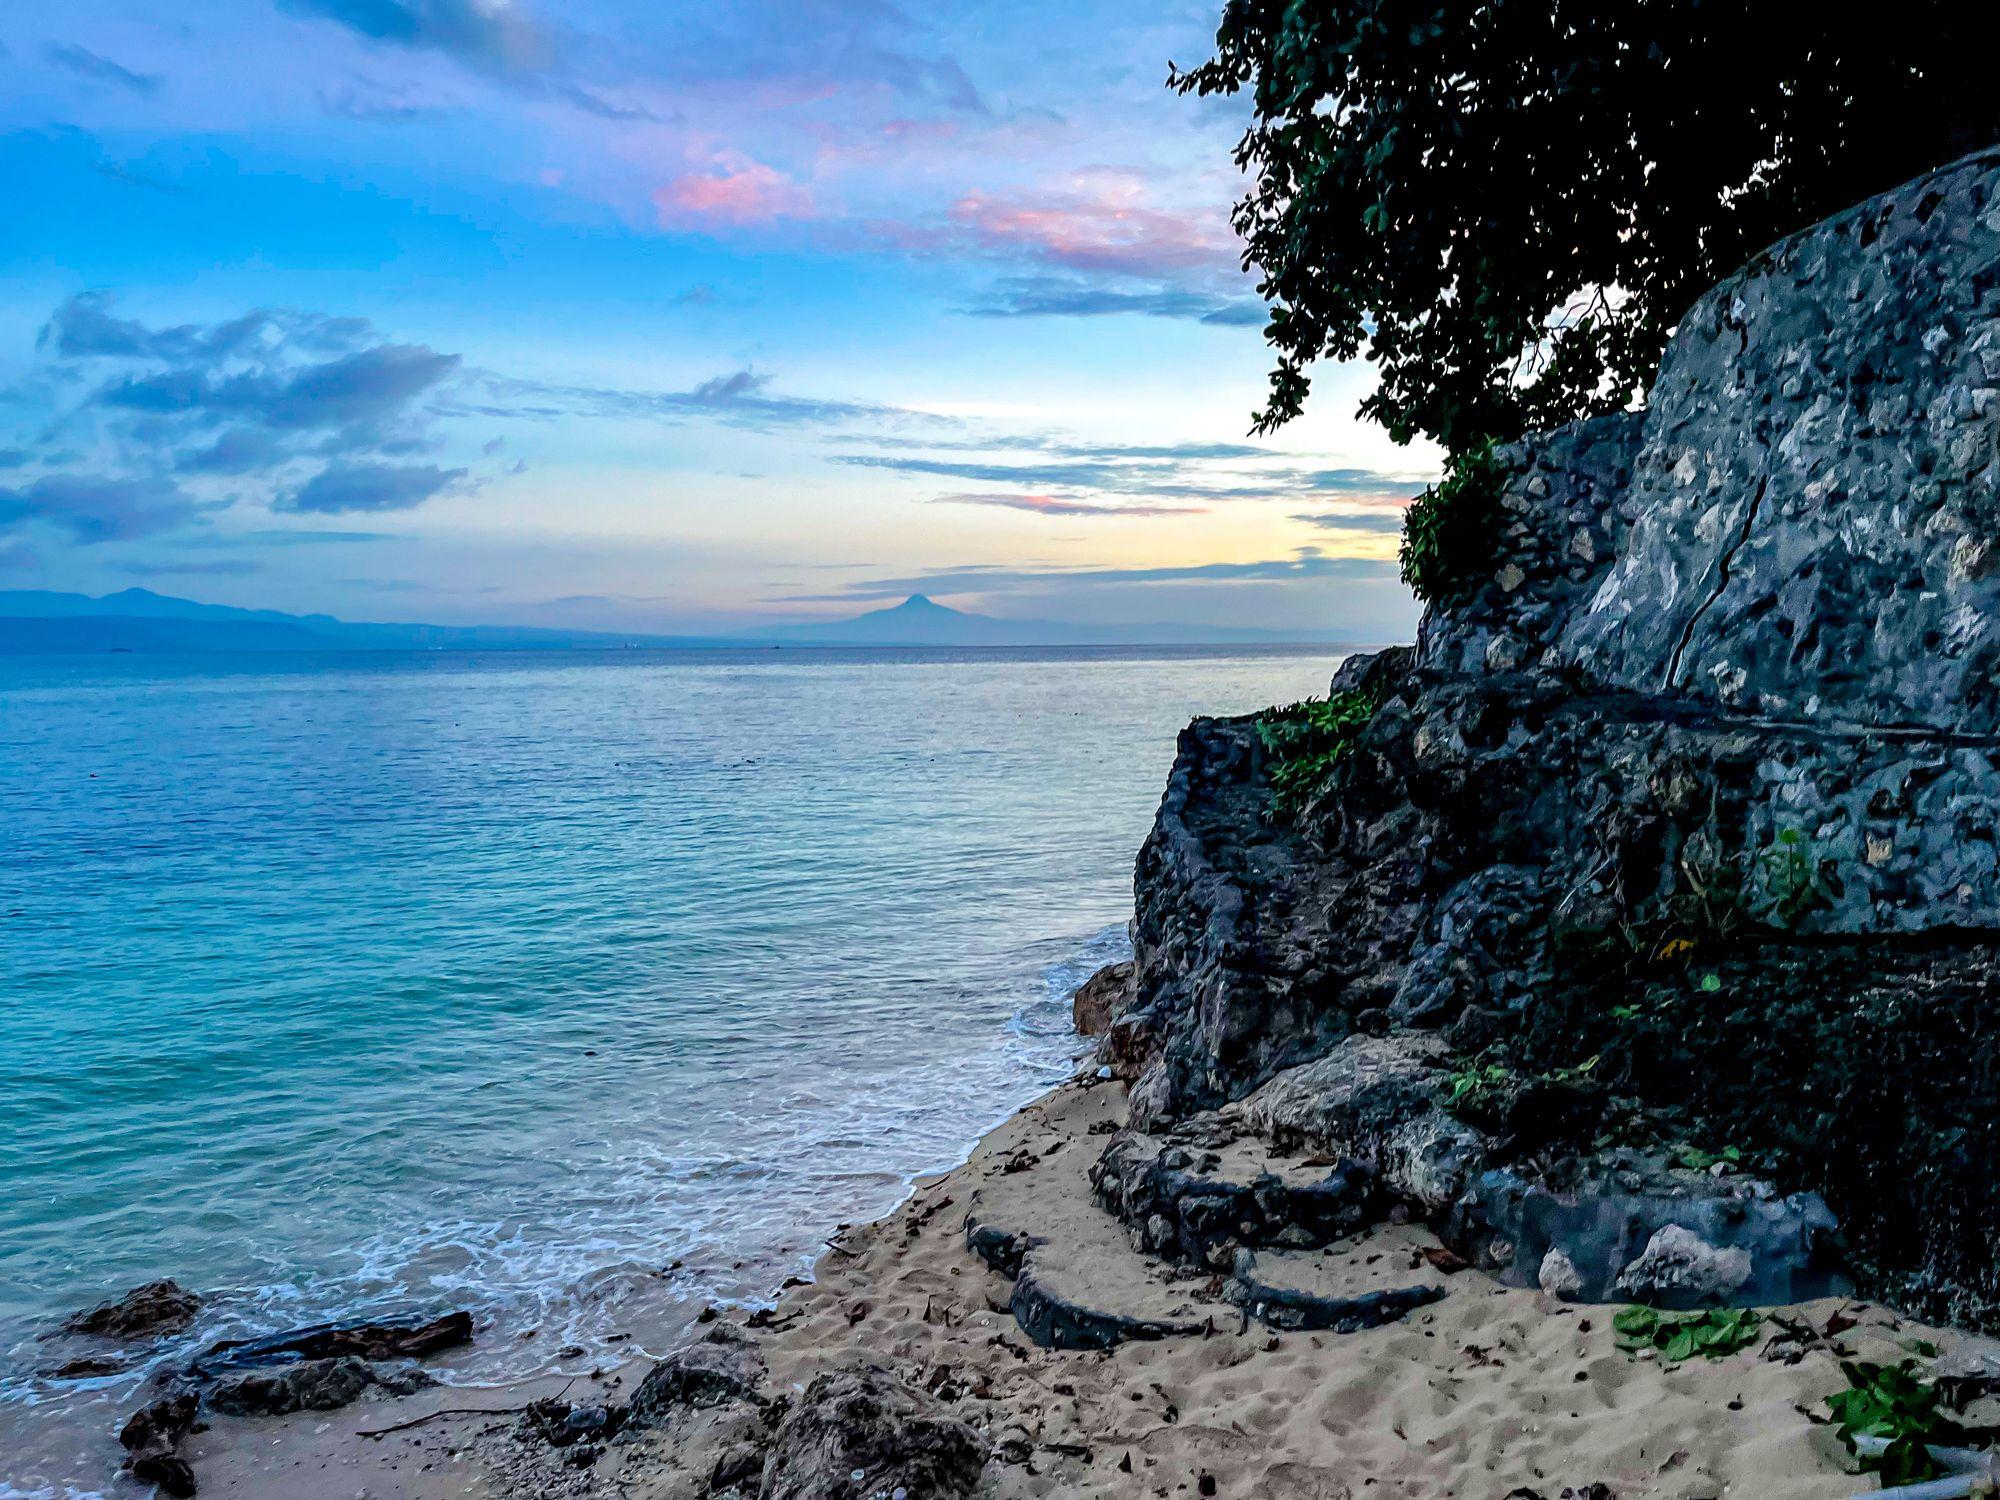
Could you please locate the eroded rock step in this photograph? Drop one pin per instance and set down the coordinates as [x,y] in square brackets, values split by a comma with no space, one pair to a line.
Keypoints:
[1078,1281]
[1614,1225]
[1342,1289]
[1201,1191]
[1096,1296]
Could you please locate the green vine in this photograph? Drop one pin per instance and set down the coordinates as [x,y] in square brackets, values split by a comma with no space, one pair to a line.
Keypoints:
[1308,743]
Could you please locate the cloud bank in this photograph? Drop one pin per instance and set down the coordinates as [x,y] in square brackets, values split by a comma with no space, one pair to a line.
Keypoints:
[146,429]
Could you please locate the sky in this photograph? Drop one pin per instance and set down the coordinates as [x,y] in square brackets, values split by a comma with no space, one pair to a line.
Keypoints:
[654,315]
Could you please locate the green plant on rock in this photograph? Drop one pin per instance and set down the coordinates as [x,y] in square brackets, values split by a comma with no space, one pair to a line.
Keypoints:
[1448,531]
[1717,899]
[1789,880]
[1695,1159]
[1710,905]
[1896,1404]
[1471,1084]
[1711,1332]
[1308,742]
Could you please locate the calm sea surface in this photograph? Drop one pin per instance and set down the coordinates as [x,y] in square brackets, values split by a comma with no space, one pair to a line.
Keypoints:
[573,989]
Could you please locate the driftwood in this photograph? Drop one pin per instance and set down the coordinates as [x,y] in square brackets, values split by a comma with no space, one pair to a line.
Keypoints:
[448,1411]
[458,1411]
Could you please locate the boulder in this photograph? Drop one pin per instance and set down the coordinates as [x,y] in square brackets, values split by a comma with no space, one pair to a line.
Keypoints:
[312,1385]
[1679,1266]
[857,1434]
[573,1425]
[145,1312]
[152,1438]
[724,1366]
[1625,1226]
[1375,1100]
[1558,1276]
[1100,998]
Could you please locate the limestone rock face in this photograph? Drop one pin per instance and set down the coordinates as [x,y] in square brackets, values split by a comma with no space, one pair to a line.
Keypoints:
[1561,528]
[1252,949]
[1710,756]
[1815,510]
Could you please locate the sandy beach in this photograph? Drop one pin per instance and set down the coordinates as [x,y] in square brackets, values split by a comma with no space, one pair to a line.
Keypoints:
[1489,1392]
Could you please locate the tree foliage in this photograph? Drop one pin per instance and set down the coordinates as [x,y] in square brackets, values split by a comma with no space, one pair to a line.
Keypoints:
[1509,203]
[1448,530]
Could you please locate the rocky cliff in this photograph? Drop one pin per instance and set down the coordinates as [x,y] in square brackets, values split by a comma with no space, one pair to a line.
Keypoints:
[1679,822]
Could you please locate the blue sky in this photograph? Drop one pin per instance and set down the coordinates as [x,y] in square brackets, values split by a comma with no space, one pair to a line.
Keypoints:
[654,316]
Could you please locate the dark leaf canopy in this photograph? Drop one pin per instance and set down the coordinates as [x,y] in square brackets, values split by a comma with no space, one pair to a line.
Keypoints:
[1509,203]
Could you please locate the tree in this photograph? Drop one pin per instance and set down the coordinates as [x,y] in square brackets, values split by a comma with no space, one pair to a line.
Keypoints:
[1509,203]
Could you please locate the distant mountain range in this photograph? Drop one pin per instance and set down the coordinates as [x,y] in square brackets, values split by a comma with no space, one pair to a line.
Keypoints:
[921,621]
[39,621]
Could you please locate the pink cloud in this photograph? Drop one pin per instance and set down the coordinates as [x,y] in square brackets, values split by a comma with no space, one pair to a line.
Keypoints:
[736,194]
[1105,226]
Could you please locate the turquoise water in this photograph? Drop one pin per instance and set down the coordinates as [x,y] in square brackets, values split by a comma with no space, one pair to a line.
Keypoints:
[571,989]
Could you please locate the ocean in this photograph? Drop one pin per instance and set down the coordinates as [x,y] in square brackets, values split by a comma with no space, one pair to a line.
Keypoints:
[576,989]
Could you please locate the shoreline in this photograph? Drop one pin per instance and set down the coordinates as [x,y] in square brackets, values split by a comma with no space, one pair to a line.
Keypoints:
[1487,1390]
[86,1464]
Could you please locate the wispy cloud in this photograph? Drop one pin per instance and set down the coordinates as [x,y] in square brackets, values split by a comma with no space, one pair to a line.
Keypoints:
[1042,297]
[738,398]
[1093,475]
[344,488]
[491,36]
[1213,472]
[84,63]
[503,41]
[1058,505]
[1388,522]
[305,538]
[1102,221]
[91,508]
[213,567]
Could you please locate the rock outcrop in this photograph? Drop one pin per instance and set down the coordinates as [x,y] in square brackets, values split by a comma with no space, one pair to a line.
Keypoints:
[152,1438]
[318,1368]
[1100,998]
[146,1312]
[312,1385]
[719,1368]
[1684,818]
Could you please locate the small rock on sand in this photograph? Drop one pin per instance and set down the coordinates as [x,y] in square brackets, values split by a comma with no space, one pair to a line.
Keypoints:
[863,1432]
